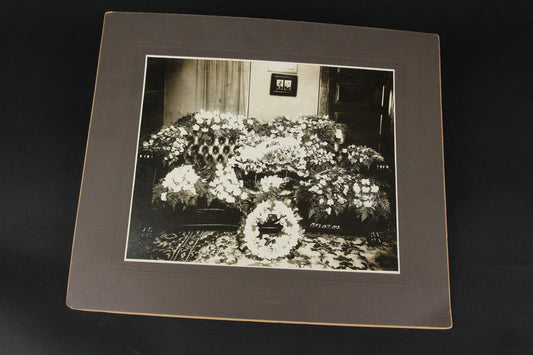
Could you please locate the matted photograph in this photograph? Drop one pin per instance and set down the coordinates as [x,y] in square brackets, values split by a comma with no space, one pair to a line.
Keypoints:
[229,173]
[283,85]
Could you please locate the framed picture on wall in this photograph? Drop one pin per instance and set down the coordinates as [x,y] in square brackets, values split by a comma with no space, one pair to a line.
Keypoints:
[208,193]
[283,85]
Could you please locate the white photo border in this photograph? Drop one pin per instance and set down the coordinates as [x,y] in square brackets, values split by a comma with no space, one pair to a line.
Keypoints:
[398,256]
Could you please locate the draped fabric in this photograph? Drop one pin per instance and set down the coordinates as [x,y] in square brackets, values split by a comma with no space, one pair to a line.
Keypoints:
[192,85]
[222,85]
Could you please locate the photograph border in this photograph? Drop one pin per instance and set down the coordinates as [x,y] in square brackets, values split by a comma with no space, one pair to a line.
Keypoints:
[393,71]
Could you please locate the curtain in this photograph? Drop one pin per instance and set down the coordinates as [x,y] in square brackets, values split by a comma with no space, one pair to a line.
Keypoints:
[222,85]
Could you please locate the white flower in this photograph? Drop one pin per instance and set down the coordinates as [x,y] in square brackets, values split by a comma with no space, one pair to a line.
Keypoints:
[328,210]
[226,186]
[215,127]
[357,203]
[374,188]
[205,129]
[250,122]
[195,127]
[216,119]
[356,188]
[181,178]
[163,196]
[338,134]
[366,189]
[330,202]
[367,203]
[365,181]
[199,120]
[321,201]
[269,182]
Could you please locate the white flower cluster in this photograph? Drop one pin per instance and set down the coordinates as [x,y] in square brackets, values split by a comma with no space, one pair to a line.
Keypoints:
[317,152]
[226,186]
[304,120]
[302,128]
[295,129]
[272,246]
[365,192]
[272,154]
[338,191]
[216,121]
[180,179]
[316,123]
[292,158]
[249,138]
[325,189]
[170,141]
[271,182]
[362,155]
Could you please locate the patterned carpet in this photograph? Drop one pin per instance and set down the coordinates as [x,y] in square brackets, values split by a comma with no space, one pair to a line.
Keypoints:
[315,251]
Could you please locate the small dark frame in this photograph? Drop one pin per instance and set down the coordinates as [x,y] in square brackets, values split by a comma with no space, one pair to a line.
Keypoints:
[283,85]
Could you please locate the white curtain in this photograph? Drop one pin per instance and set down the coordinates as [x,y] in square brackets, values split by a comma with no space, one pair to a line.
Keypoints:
[222,85]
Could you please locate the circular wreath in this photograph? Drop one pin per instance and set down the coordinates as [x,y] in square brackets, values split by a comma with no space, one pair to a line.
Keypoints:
[272,246]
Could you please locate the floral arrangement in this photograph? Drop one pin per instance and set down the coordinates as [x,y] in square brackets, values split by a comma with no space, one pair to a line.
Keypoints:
[272,154]
[278,172]
[305,127]
[180,187]
[272,246]
[271,182]
[295,144]
[226,186]
[335,192]
[357,158]
[172,141]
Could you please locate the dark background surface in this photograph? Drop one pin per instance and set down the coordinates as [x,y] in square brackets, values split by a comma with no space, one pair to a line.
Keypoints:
[49,60]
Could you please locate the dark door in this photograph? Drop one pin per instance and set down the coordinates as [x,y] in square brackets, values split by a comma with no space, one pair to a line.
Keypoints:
[362,100]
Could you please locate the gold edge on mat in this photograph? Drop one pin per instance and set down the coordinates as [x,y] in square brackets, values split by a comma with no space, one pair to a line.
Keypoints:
[444,186]
[85,157]
[263,320]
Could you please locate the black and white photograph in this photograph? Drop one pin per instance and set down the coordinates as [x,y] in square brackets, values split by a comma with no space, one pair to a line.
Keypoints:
[283,84]
[266,177]
[229,174]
